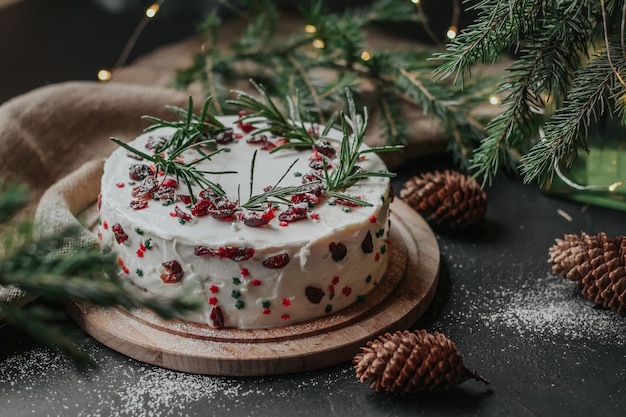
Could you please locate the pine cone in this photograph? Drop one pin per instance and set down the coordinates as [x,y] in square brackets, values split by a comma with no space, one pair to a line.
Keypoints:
[409,362]
[448,199]
[597,263]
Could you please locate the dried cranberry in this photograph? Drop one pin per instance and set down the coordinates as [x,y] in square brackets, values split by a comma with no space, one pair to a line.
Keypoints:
[164,193]
[185,199]
[325,148]
[236,254]
[224,136]
[312,176]
[245,127]
[202,207]
[134,156]
[367,245]
[209,194]
[174,272]
[138,204]
[119,234]
[316,164]
[147,187]
[294,213]
[257,219]
[182,215]
[169,182]
[138,172]
[224,209]
[314,294]
[310,198]
[276,261]
[338,251]
[155,142]
[216,317]
[346,202]
[257,139]
[268,146]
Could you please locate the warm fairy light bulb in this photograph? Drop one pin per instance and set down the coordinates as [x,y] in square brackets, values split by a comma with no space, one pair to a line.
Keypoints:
[318,43]
[366,56]
[495,100]
[310,29]
[152,10]
[451,34]
[415,1]
[614,186]
[104,75]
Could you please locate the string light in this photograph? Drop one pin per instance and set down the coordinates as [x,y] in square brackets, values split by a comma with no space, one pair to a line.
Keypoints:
[104,74]
[494,100]
[451,33]
[152,10]
[310,29]
[318,44]
[366,56]
[415,1]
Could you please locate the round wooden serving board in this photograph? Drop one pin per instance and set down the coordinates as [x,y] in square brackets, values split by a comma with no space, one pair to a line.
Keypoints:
[397,302]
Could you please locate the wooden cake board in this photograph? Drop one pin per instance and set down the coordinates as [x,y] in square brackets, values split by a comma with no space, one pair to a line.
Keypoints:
[397,302]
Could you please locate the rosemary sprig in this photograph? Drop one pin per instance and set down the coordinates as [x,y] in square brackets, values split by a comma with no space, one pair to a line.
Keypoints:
[275,194]
[291,126]
[191,133]
[346,172]
[190,128]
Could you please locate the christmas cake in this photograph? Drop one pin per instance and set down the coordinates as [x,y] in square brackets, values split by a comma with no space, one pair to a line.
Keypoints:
[247,221]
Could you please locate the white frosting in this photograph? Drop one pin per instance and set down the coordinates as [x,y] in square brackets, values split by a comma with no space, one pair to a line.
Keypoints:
[249,294]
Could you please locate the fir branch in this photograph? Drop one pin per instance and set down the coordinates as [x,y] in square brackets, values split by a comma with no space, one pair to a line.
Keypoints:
[593,89]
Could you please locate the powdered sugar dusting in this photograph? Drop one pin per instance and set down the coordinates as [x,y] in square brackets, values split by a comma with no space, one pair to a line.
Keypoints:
[551,306]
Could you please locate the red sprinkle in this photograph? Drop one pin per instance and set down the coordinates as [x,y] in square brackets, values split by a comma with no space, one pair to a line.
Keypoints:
[125,270]
[315,216]
[373,218]
[377,256]
[335,280]
[214,289]
[286,302]
[266,311]
[283,224]
[244,272]
[120,261]
[105,225]
[346,291]
[285,317]
[256,282]
[139,253]
[120,185]
[213,301]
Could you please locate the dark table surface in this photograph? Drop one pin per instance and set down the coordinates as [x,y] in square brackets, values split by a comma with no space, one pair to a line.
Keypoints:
[545,349]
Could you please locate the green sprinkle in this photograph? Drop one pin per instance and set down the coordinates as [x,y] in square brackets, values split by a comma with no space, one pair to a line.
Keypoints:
[266,304]
[368,279]
[139,272]
[235,294]
[139,231]
[383,249]
[360,298]
[380,233]
[347,209]
[148,244]
[297,174]
[382,198]
[331,296]
[226,150]
[236,281]
[168,202]
[332,202]
[181,221]
[239,305]
[328,308]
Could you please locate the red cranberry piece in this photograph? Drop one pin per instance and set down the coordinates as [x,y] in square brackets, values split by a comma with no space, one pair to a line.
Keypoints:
[224,136]
[347,203]
[325,148]
[257,219]
[138,204]
[294,213]
[216,317]
[147,187]
[209,194]
[185,199]
[367,245]
[202,207]
[174,272]
[155,142]
[338,251]
[314,294]
[224,209]
[276,261]
[316,164]
[257,139]
[169,182]
[138,172]
[119,234]
[182,215]
[236,254]
[164,193]
[312,176]
[268,146]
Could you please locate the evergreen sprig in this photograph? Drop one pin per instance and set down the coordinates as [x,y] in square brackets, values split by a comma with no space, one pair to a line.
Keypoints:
[59,269]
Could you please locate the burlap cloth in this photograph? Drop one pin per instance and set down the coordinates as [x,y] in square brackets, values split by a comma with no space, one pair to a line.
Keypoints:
[54,138]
